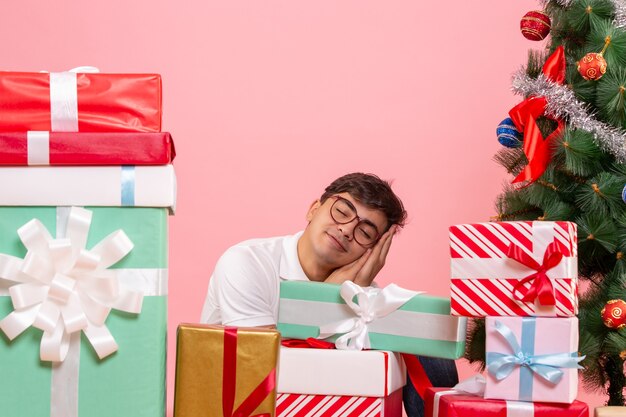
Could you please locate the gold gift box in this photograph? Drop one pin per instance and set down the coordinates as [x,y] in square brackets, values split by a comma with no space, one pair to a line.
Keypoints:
[610,411]
[200,373]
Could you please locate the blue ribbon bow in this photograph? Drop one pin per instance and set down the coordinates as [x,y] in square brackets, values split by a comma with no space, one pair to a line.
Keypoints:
[548,367]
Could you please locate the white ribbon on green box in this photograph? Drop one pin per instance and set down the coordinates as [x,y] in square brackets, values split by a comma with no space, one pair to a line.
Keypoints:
[64,289]
[391,318]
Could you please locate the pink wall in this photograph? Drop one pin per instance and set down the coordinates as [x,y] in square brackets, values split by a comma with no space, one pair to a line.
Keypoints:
[270,100]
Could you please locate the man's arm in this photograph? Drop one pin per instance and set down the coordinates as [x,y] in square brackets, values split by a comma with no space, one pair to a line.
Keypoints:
[363,271]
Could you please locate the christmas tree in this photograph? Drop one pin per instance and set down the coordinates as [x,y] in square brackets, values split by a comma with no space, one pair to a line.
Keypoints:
[565,146]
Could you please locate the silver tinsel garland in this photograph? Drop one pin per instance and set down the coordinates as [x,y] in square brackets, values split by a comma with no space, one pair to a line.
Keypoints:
[562,103]
[618,5]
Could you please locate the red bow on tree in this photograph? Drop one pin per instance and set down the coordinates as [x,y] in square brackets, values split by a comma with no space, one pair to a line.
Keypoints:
[524,116]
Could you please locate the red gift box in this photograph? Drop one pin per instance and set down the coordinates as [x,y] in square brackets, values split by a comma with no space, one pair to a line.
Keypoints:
[514,269]
[85,148]
[444,402]
[85,102]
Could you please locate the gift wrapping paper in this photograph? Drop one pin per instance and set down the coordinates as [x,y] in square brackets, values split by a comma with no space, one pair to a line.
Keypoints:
[303,405]
[79,101]
[129,382]
[532,359]
[133,186]
[454,404]
[225,371]
[610,411]
[514,269]
[370,373]
[85,148]
[422,325]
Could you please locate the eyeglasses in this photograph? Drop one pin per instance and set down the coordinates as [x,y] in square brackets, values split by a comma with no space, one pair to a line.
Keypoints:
[365,233]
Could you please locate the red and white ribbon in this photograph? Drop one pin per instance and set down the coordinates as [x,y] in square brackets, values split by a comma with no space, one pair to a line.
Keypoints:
[63,288]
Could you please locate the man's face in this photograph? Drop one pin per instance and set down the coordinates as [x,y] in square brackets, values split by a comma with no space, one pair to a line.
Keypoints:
[334,243]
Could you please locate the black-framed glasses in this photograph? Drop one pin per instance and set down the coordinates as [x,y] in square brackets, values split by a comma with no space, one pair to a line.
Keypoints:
[365,233]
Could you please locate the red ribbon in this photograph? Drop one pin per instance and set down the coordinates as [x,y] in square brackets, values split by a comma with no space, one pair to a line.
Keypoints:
[310,342]
[229,382]
[417,374]
[524,116]
[541,287]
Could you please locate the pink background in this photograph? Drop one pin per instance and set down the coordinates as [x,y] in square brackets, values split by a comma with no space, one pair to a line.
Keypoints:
[269,101]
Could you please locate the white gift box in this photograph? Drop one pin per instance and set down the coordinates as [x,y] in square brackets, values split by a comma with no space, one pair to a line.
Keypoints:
[133,186]
[369,373]
[321,382]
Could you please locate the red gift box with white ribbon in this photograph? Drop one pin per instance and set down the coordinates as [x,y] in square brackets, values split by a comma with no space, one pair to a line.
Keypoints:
[327,382]
[514,269]
[446,402]
[85,148]
[80,101]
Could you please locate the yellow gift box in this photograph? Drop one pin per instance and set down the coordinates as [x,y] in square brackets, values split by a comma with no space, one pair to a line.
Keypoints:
[225,371]
[610,411]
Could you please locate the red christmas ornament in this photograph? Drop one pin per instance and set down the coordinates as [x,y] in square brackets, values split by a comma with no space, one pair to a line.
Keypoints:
[592,66]
[614,314]
[535,25]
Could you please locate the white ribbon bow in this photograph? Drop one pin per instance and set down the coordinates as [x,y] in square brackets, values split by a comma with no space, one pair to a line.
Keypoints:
[371,304]
[64,288]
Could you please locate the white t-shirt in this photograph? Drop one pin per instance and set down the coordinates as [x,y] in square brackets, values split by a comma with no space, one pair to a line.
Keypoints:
[244,288]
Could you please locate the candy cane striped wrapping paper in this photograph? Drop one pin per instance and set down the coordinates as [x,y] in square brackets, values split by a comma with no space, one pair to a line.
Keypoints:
[305,405]
[483,277]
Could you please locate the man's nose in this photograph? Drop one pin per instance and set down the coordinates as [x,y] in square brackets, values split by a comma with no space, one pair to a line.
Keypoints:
[347,229]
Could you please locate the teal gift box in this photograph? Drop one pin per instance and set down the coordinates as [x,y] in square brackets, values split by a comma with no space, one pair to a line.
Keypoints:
[129,382]
[391,318]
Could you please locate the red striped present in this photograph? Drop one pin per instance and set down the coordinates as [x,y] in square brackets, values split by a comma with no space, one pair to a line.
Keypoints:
[308,405]
[514,269]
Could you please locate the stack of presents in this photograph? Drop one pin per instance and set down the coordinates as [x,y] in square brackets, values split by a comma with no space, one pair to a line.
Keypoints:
[86,187]
[521,276]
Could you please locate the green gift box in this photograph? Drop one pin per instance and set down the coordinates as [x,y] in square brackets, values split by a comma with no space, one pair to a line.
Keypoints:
[128,383]
[391,318]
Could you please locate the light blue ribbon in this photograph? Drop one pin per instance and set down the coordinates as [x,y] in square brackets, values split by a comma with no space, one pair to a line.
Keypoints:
[128,185]
[548,367]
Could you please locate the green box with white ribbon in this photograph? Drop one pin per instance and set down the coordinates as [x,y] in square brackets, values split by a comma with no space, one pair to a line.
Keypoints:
[356,318]
[83,311]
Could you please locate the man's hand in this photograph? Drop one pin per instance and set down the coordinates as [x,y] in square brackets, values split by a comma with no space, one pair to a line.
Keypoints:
[363,271]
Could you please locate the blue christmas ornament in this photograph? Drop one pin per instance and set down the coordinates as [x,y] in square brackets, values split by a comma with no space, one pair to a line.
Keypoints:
[624,194]
[508,135]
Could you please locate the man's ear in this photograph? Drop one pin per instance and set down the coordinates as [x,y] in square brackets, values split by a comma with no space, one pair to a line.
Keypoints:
[315,205]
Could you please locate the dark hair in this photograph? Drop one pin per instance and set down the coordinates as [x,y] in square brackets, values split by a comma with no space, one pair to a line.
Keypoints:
[370,190]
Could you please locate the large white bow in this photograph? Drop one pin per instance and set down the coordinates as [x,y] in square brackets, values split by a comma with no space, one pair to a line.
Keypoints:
[64,288]
[371,304]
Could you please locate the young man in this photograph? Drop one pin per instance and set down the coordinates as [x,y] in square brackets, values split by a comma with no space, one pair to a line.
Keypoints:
[349,232]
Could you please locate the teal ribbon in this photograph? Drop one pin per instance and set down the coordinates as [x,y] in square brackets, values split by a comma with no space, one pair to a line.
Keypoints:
[128,185]
[548,367]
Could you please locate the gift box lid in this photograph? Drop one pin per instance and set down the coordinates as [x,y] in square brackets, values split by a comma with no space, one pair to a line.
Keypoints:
[367,373]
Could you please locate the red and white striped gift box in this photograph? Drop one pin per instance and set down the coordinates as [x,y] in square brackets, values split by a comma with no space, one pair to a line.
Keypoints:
[308,405]
[329,382]
[485,281]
